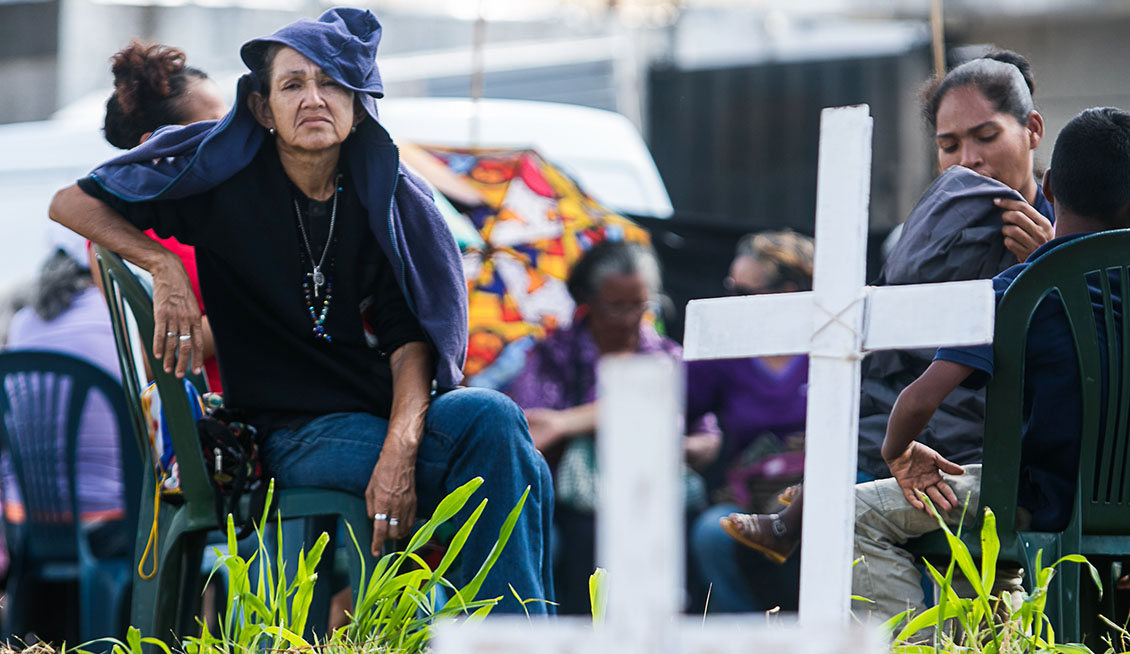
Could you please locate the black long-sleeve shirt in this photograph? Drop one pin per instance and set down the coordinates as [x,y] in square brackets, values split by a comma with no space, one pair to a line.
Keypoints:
[251,263]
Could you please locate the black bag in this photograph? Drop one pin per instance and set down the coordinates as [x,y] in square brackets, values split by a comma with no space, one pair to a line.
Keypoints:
[231,456]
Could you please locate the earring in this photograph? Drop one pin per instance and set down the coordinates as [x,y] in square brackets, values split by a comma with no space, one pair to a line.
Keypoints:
[271,131]
[353,130]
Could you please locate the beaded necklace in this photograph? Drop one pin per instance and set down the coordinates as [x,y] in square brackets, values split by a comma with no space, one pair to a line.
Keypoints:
[313,282]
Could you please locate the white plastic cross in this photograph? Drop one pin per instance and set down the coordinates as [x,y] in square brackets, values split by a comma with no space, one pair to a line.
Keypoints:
[836,324]
[639,541]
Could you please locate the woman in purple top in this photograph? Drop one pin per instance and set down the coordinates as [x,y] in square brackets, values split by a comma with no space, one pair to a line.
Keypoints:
[69,316]
[613,285]
[760,404]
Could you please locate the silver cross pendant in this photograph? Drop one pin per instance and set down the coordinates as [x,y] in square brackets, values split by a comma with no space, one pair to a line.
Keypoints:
[319,280]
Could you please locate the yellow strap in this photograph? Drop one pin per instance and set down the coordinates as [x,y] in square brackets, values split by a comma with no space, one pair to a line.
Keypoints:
[152,544]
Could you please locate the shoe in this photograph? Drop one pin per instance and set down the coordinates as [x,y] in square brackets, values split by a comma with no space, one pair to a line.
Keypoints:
[765,533]
[789,494]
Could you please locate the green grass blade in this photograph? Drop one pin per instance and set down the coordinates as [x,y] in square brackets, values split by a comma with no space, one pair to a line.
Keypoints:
[472,587]
[482,612]
[255,603]
[352,631]
[969,569]
[1072,648]
[894,621]
[598,595]
[292,639]
[133,640]
[456,544]
[927,618]
[1082,560]
[452,504]
[160,644]
[990,550]
[314,555]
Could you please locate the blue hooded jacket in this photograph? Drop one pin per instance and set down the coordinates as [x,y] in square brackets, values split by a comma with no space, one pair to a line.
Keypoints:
[181,161]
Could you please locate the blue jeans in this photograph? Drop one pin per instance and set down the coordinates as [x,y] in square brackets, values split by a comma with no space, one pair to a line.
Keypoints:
[715,555]
[468,433]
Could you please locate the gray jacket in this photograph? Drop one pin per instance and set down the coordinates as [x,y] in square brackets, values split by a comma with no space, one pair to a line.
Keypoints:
[953,234]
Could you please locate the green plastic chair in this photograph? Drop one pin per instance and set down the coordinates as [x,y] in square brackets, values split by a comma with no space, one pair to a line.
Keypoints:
[42,395]
[168,603]
[1100,523]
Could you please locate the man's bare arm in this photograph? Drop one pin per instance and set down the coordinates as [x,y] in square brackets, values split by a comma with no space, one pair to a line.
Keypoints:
[915,466]
[175,311]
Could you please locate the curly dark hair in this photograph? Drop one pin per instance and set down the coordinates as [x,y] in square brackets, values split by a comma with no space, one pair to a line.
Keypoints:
[150,81]
[790,255]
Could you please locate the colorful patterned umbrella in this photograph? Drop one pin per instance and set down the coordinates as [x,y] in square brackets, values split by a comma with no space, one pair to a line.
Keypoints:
[535,223]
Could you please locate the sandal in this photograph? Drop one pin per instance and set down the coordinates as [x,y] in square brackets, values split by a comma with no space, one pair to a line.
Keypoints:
[765,533]
[789,494]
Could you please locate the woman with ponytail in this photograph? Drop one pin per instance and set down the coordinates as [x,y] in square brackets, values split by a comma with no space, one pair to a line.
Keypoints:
[984,118]
[154,87]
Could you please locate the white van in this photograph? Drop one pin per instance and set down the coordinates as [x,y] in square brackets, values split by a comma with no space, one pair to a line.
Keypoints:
[602,150]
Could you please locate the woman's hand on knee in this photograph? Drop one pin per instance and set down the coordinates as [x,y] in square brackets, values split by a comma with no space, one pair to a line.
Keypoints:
[391,495]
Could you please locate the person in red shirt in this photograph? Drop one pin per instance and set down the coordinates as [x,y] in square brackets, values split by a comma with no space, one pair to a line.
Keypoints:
[154,87]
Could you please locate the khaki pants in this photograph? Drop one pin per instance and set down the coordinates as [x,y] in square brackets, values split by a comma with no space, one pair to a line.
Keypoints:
[884,521]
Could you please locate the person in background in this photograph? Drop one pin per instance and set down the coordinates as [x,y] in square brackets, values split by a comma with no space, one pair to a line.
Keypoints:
[1089,184]
[614,285]
[301,214]
[154,87]
[760,404]
[68,315]
[984,120]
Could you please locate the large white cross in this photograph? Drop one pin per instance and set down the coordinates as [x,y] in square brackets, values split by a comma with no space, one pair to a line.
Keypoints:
[640,543]
[836,324]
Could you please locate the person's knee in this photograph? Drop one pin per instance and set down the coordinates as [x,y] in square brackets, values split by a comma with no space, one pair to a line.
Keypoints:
[872,524]
[478,419]
[708,538]
[478,408]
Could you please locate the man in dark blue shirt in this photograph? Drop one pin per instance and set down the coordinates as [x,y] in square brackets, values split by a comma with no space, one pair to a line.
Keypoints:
[1089,184]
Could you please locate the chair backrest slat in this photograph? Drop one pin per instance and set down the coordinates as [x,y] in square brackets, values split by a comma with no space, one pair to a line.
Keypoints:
[1104,478]
[1071,274]
[1122,496]
[129,298]
[42,399]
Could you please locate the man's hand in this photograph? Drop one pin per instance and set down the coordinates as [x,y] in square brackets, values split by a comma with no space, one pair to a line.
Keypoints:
[547,427]
[175,312]
[700,450]
[919,468]
[1025,229]
[392,494]
[177,333]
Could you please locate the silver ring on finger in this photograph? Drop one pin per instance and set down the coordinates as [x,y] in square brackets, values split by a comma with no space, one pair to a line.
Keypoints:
[184,337]
[380,516]
[392,522]
[170,334]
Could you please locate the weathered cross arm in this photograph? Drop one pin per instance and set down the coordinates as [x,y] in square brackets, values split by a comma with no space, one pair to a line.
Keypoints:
[717,635]
[896,317]
[512,635]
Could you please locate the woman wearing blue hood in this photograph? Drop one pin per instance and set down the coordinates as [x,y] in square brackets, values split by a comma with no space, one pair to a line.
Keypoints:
[334,290]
